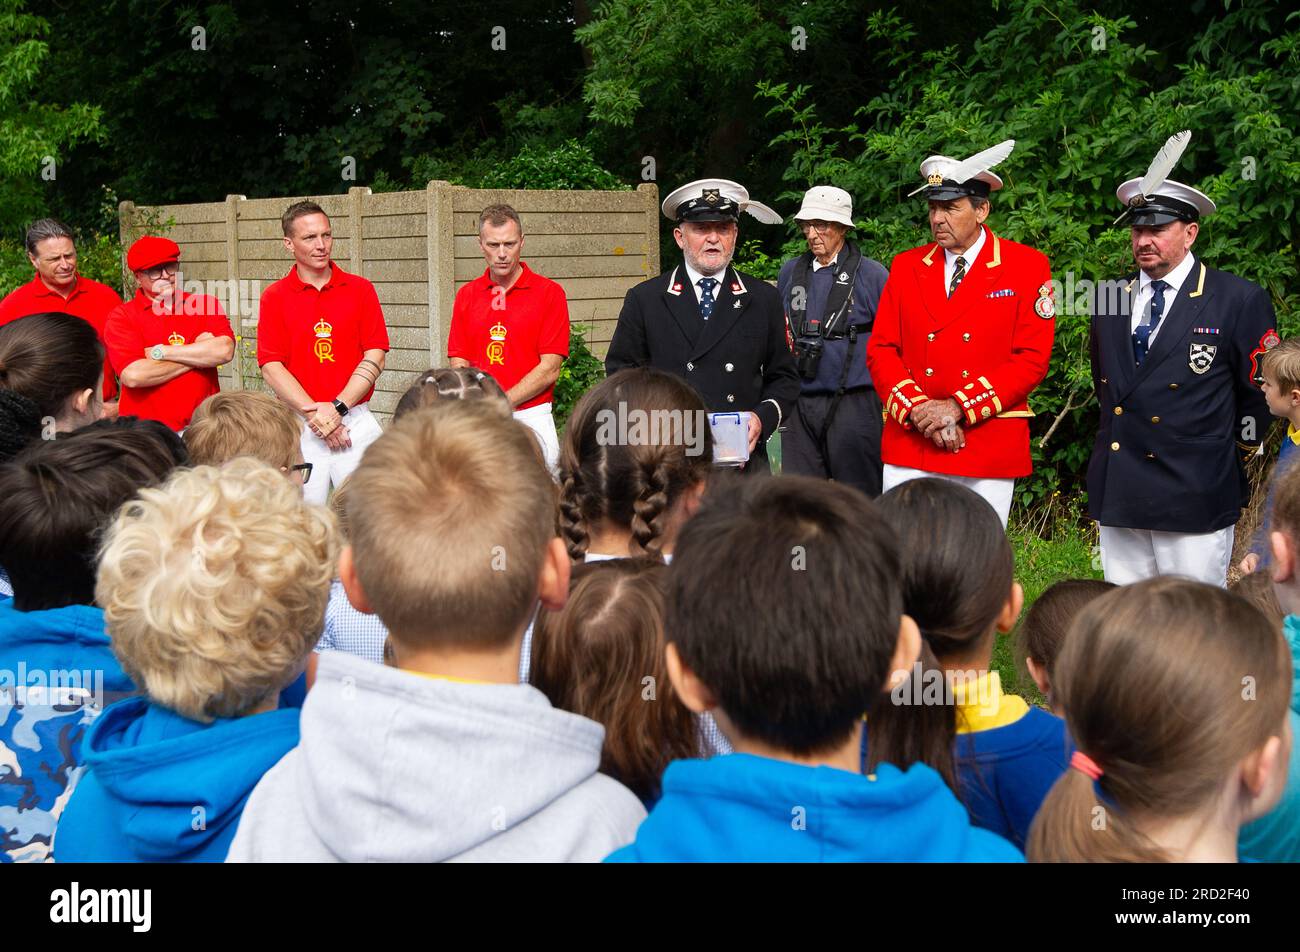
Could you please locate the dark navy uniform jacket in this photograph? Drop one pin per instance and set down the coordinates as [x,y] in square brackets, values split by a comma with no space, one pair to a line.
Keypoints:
[739,359]
[1166,456]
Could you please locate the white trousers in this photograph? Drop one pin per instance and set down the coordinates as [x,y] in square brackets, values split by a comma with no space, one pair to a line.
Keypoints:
[1130,555]
[996,492]
[539,420]
[330,467]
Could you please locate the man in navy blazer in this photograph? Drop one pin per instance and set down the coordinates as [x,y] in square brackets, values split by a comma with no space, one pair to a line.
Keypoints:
[1175,362]
[720,330]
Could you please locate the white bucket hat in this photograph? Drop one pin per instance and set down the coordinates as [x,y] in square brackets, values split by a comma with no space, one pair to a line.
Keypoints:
[826,203]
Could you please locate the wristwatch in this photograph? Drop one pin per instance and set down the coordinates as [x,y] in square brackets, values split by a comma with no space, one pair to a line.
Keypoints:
[156,352]
[342,407]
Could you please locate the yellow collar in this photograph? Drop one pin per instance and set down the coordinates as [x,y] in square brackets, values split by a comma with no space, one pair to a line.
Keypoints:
[980,703]
[1293,434]
[445,677]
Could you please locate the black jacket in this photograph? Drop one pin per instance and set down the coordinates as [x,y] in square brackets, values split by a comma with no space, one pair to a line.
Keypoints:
[1167,456]
[739,359]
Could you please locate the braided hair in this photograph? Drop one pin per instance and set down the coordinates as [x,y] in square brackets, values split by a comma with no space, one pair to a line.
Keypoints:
[631,479]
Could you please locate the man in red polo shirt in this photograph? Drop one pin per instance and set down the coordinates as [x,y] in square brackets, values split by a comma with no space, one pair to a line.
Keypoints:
[514,324]
[164,344]
[321,344]
[58,287]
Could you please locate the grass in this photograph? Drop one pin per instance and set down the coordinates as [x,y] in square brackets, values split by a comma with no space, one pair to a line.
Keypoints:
[1051,543]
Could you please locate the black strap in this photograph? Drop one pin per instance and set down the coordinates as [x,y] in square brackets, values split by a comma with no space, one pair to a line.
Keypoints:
[838,303]
[823,436]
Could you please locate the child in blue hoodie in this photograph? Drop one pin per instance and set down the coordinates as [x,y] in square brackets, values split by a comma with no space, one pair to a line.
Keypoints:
[785,620]
[213,588]
[56,670]
[1000,754]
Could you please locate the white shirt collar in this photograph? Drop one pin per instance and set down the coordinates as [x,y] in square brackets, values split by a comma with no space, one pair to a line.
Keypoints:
[817,266]
[694,276]
[970,254]
[1174,278]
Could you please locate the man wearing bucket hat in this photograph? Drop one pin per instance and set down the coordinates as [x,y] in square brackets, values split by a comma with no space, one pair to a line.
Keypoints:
[1175,362]
[721,331]
[165,345]
[963,334]
[830,293]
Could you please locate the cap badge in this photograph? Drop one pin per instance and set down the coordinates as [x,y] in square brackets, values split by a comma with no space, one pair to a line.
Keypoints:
[711,195]
[935,178]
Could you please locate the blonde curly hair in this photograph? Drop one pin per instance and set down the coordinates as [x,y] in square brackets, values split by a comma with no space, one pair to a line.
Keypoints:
[214,587]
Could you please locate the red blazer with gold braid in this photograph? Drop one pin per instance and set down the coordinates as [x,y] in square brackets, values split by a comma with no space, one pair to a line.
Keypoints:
[987,347]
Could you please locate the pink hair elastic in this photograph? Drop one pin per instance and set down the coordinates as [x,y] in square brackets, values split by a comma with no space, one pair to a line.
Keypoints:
[1085,765]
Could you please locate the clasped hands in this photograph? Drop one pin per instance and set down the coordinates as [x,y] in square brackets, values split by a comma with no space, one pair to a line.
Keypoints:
[324,421]
[937,419]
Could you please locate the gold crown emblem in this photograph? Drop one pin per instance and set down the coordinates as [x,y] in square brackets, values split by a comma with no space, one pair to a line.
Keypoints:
[323,328]
[935,178]
[497,331]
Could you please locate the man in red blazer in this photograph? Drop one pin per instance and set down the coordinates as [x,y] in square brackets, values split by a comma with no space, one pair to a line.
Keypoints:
[963,334]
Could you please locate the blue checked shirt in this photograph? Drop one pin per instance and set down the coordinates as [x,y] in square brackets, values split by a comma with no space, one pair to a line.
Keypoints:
[347,629]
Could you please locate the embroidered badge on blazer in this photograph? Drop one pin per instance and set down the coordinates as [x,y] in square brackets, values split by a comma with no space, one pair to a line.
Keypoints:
[1045,307]
[1201,356]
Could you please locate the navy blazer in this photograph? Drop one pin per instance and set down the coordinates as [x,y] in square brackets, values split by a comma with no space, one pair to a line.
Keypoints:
[739,359]
[1166,455]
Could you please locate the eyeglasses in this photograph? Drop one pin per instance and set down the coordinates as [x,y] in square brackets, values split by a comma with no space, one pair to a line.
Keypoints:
[304,468]
[170,267]
[821,227]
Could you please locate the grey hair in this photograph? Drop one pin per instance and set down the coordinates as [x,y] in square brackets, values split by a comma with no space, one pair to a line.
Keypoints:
[45,228]
[976,202]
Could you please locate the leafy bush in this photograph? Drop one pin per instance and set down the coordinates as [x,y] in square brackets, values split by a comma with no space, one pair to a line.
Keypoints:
[580,371]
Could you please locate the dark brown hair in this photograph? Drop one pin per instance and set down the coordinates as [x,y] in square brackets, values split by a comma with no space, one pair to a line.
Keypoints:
[1166,685]
[45,359]
[795,643]
[593,659]
[957,569]
[1257,588]
[298,210]
[627,483]
[497,215]
[1042,632]
[58,495]
[451,383]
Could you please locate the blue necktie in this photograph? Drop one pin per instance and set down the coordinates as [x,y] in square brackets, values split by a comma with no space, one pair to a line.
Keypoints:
[706,296]
[1142,335]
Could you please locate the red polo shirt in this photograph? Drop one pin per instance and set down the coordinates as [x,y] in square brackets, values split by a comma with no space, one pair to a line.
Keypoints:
[320,336]
[506,335]
[89,300]
[134,326]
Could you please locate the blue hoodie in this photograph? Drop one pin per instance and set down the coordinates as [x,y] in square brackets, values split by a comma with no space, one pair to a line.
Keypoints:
[160,787]
[41,730]
[1275,837]
[743,808]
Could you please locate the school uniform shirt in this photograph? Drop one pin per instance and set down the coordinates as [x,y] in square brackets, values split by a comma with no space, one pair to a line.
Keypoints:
[1008,755]
[89,300]
[748,809]
[986,346]
[506,334]
[135,326]
[320,335]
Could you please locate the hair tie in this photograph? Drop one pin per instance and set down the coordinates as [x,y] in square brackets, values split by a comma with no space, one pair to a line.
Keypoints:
[1086,765]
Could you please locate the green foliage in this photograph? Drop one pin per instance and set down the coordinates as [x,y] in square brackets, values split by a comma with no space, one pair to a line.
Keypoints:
[569,165]
[35,135]
[1087,111]
[580,371]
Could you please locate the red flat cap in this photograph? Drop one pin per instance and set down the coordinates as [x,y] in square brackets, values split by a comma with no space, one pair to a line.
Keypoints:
[150,251]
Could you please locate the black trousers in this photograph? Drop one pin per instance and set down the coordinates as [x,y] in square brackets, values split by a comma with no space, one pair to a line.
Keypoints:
[850,453]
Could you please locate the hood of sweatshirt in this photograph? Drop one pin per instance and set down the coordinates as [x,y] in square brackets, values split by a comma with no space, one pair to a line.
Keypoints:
[36,646]
[397,766]
[162,787]
[756,809]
